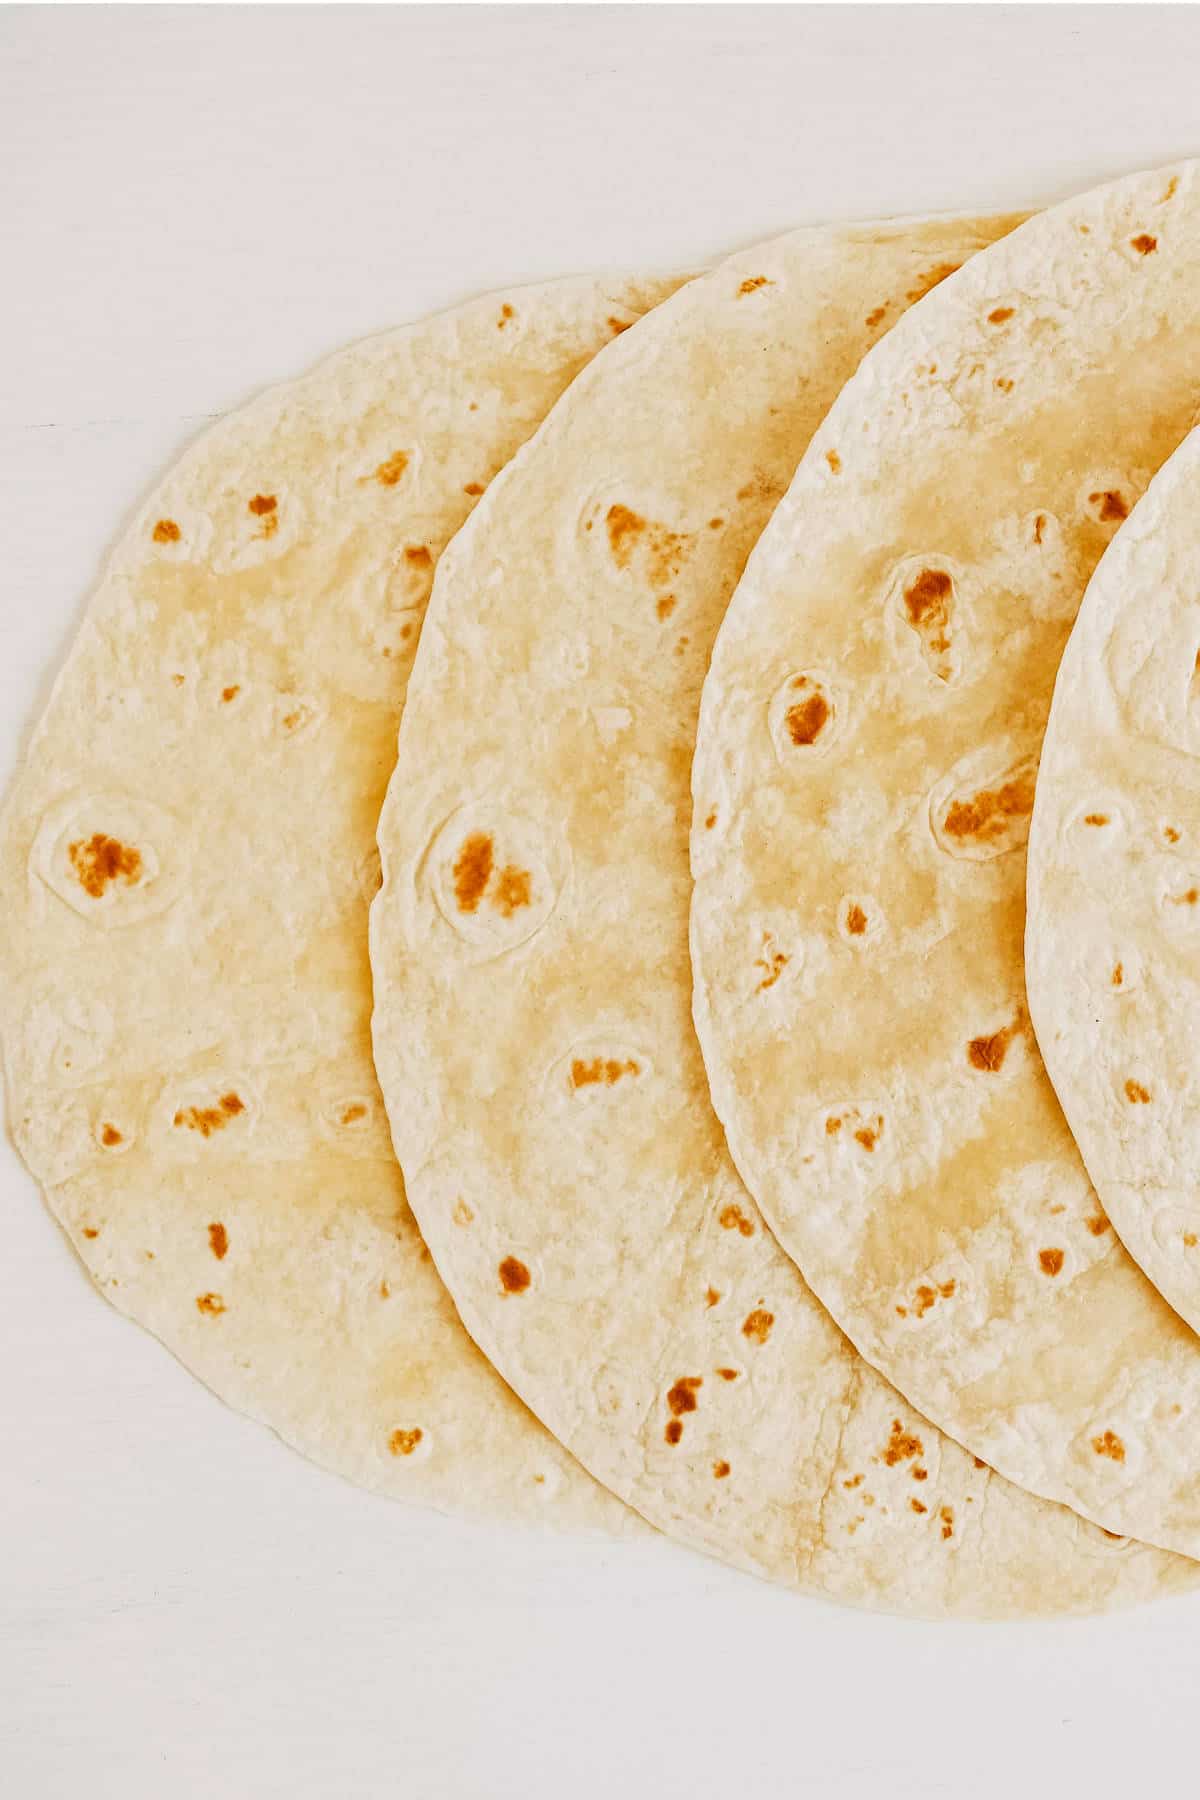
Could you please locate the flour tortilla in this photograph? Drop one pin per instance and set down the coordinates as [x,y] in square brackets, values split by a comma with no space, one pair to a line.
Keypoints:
[529,947]
[187,859]
[1111,948]
[884,1099]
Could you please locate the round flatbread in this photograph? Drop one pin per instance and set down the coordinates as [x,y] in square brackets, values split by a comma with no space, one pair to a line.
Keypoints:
[867,750]
[186,860]
[1112,949]
[529,947]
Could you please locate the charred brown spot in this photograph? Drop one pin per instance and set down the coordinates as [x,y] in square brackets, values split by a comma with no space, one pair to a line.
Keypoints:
[834,461]
[1112,506]
[474,488]
[682,1397]
[513,890]
[727,1374]
[919,1474]
[352,1113]
[856,920]
[732,1218]
[210,1303]
[514,1276]
[927,595]
[218,1240]
[1136,1094]
[617,326]
[230,693]
[875,317]
[1097,1225]
[606,1069]
[833,1125]
[772,963]
[752,283]
[927,1296]
[91,1231]
[1109,1444]
[418,556]
[853,1481]
[384,1290]
[403,1443]
[720,1469]
[1189,1238]
[1170,833]
[710,821]
[711,1296]
[918,1506]
[666,606]
[1051,1261]
[207,1119]
[946,1515]
[624,528]
[1039,528]
[506,313]
[110,1137]
[166,532]
[901,1446]
[100,860]
[462,1214]
[988,1053]
[1143,243]
[261,505]
[807,719]
[388,473]
[674,1431]
[472,871]
[999,315]
[979,1462]
[984,816]
[757,1325]
[1095,818]
[869,1135]
[929,278]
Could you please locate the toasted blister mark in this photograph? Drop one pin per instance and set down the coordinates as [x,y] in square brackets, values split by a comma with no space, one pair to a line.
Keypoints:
[651,551]
[923,592]
[851,1129]
[1143,244]
[732,1217]
[1135,1092]
[1179,900]
[106,857]
[804,718]
[1109,1444]
[981,809]
[930,278]
[769,964]
[1050,1260]
[988,1052]
[211,1305]
[860,918]
[113,1138]
[514,1275]
[297,716]
[213,1113]
[1176,1231]
[411,1442]
[166,531]
[1108,500]
[493,877]
[752,284]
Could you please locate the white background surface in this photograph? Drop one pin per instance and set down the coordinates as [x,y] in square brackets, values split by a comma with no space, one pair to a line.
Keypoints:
[193,203]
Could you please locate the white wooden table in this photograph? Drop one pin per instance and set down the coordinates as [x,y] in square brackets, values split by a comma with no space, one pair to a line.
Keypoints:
[196,202]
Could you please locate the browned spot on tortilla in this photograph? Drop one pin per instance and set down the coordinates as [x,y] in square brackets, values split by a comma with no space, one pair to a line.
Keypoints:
[101,859]
[218,1239]
[403,1443]
[929,278]
[832,1125]
[261,505]
[210,1303]
[773,963]
[462,1214]
[999,315]
[1095,818]
[384,1290]
[90,1231]
[110,1137]
[506,313]
[988,1053]
[231,693]
[869,1135]
[1118,975]
[1143,243]
[720,1469]
[853,1481]
[682,1397]
[177,680]
[1189,1238]
[919,1474]
[514,1276]
[207,1119]
[979,1462]
[1136,1094]
[624,528]
[606,1069]
[1004,383]
[875,317]
[918,1506]
[418,555]
[1109,1444]
[1170,833]
[474,488]
[757,1325]
[985,814]
[166,532]
[1111,505]
[927,595]
[711,820]
[1097,1225]
[617,326]
[472,871]
[513,890]
[674,1431]
[711,1296]
[1051,1261]
[715,524]
[666,606]
[1172,185]
[927,1296]
[902,1312]
[727,1374]
[856,920]
[356,1110]
[754,282]
[388,473]
[946,1515]
[901,1446]
[807,719]
[732,1218]
[834,461]
[1039,526]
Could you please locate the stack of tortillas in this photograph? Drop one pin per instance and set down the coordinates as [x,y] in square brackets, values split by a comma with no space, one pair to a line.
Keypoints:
[781,1236]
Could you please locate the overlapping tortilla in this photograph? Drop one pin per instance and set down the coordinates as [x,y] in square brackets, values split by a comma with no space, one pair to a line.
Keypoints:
[864,778]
